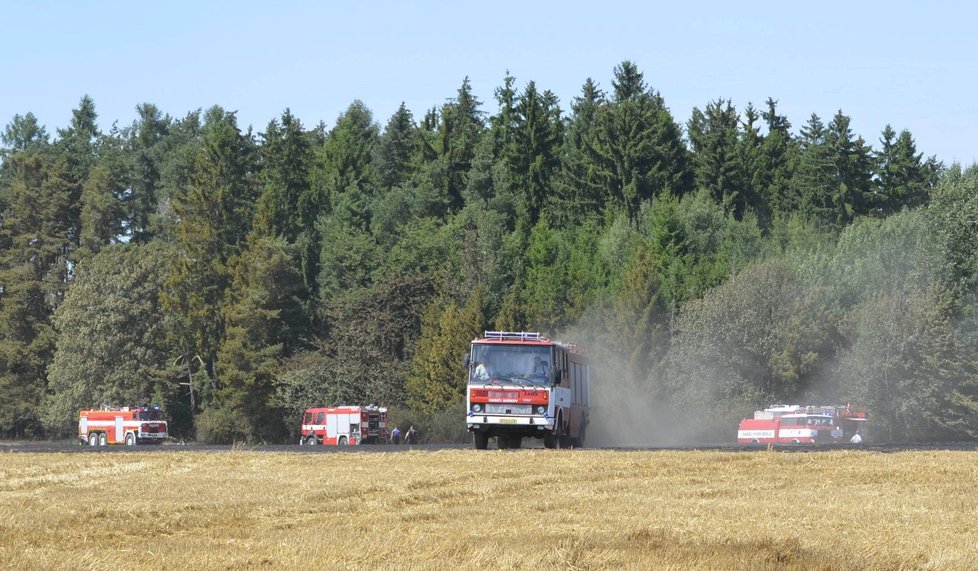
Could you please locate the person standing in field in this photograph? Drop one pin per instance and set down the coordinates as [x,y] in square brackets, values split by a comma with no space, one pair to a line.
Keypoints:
[396,435]
[409,436]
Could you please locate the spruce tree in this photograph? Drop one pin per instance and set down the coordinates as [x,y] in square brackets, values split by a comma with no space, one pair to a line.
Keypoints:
[397,150]
[578,191]
[636,150]
[903,180]
[715,139]
[215,216]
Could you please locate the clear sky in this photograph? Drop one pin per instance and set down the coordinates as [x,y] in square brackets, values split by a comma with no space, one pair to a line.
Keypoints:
[911,64]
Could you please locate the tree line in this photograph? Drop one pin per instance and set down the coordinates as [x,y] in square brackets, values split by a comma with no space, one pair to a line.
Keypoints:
[236,277]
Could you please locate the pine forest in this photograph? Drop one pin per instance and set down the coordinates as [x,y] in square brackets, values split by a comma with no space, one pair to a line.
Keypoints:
[235,277]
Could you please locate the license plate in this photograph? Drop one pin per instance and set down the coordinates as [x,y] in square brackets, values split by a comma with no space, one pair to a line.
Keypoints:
[507,421]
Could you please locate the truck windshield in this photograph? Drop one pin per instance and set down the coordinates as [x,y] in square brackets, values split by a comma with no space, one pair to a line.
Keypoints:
[148,415]
[509,365]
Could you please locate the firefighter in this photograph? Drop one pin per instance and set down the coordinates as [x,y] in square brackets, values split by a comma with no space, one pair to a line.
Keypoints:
[539,367]
[482,372]
[409,436]
[396,435]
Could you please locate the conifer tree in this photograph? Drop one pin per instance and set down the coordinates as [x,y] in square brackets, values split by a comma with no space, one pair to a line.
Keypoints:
[533,156]
[264,321]
[460,131]
[636,150]
[148,151]
[578,191]
[903,180]
[215,216]
[34,243]
[777,163]
[851,192]
[397,150]
[814,180]
[715,139]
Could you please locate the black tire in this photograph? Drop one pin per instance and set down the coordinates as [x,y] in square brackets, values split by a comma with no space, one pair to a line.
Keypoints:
[130,439]
[343,441]
[755,441]
[563,439]
[549,440]
[480,440]
[516,442]
[102,440]
[502,442]
[93,439]
[311,441]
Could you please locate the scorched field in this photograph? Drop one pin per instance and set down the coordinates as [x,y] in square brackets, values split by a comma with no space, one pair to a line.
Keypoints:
[495,510]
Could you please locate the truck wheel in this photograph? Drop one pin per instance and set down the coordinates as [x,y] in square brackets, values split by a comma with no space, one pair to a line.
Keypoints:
[311,441]
[93,439]
[516,442]
[549,440]
[343,441]
[563,440]
[130,439]
[102,440]
[480,439]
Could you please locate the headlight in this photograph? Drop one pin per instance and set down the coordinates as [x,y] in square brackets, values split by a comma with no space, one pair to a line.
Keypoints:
[540,409]
[477,407]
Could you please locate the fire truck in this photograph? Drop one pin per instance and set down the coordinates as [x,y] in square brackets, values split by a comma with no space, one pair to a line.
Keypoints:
[795,424]
[522,384]
[344,425]
[122,425]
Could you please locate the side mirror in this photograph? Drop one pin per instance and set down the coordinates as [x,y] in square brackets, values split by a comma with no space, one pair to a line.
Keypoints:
[557,376]
[465,361]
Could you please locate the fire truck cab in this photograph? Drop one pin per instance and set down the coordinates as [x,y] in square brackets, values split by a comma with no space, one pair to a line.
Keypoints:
[344,425]
[522,384]
[794,424]
[122,425]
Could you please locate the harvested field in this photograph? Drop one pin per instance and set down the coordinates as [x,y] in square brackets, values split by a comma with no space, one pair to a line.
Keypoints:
[498,510]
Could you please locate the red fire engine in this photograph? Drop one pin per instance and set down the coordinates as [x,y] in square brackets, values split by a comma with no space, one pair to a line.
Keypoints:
[343,425]
[794,424]
[524,385]
[128,425]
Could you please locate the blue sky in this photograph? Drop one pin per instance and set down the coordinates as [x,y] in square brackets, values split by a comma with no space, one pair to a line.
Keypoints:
[910,64]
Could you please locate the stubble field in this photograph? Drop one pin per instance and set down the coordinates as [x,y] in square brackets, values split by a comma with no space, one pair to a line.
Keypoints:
[520,509]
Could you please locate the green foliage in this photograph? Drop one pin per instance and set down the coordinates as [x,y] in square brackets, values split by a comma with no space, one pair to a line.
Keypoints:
[715,139]
[264,322]
[215,216]
[350,265]
[437,378]
[635,150]
[35,238]
[907,366]
[755,339]
[111,344]
[459,133]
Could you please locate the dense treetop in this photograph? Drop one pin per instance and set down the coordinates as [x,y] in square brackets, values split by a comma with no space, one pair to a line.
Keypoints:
[236,277]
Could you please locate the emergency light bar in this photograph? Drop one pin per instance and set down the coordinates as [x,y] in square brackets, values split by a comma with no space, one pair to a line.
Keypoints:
[513,336]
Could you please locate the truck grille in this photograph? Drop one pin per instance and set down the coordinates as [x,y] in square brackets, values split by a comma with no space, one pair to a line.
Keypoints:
[509,409]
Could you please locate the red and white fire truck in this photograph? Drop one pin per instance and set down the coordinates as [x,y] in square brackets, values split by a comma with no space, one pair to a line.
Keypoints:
[522,384]
[344,425]
[795,424]
[122,425]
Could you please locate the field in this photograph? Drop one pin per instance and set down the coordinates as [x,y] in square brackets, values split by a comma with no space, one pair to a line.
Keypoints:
[492,509]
